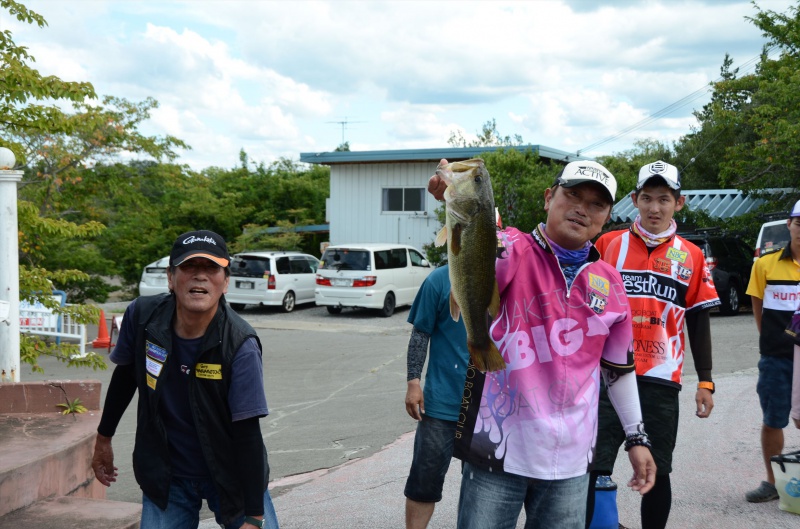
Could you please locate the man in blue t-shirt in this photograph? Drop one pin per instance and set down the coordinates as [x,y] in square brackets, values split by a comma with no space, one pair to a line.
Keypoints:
[437,407]
[197,368]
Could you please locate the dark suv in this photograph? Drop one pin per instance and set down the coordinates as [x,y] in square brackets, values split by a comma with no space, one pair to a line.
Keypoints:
[730,261]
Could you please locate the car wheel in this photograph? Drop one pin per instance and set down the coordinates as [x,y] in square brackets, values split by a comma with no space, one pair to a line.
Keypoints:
[334,309]
[730,304]
[288,302]
[237,306]
[388,305]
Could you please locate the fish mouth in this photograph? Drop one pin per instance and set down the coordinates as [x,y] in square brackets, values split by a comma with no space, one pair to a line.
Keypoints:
[445,174]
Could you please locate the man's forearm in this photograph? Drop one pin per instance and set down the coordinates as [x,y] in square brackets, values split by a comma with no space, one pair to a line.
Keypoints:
[417,352]
[121,390]
[698,326]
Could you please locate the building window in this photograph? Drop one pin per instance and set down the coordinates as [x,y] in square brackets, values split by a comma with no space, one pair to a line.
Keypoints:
[403,199]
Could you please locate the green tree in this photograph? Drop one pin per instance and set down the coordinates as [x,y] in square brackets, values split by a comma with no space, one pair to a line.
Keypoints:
[751,124]
[27,103]
[26,97]
[487,137]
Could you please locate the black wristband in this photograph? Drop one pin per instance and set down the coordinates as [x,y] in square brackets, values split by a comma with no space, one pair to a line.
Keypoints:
[637,439]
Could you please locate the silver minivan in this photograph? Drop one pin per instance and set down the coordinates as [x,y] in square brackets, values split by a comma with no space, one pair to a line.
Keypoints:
[374,276]
[276,278]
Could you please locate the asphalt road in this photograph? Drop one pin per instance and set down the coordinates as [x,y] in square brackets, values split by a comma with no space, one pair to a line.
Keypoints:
[336,385]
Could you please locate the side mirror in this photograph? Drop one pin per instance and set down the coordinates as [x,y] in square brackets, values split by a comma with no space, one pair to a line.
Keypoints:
[425,263]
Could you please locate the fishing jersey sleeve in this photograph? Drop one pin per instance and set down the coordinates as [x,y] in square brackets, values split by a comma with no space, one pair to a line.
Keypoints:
[538,417]
[701,294]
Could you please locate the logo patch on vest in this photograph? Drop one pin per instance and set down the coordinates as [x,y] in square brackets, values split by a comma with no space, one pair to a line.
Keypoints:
[677,255]
[151,382]
[597,303]
[155,352]
[600,284]
[210,371]
[684,273]
[662,265]
[153,367]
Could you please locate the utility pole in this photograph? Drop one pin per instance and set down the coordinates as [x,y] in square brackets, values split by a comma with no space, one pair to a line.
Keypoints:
[9,269]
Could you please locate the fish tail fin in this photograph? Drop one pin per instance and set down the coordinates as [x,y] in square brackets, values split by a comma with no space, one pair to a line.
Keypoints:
[486,357]
[441,237]
[455,310]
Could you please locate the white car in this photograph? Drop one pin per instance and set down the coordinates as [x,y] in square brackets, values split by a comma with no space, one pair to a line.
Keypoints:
[772,236]
[373,276]
[154,278]
[276,278]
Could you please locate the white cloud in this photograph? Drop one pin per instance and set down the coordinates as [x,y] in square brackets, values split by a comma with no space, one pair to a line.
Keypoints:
[275,77]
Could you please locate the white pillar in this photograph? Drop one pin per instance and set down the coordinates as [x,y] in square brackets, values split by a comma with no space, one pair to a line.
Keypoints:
[9,268]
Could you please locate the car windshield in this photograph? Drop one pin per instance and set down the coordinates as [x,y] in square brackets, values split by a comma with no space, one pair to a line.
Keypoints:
[249,266]
[774,237]
[345,259]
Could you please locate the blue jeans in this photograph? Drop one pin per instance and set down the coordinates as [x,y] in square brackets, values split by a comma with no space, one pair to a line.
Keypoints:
[493,500]
[185,500]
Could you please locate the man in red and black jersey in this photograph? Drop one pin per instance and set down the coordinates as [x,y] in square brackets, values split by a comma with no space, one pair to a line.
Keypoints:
[667,283]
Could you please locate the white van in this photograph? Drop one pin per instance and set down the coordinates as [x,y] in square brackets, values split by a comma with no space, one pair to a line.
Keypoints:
[772,236]
[277,278]
[374,276]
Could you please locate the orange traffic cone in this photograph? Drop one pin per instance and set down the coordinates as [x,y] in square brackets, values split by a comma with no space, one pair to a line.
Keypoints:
[102,340]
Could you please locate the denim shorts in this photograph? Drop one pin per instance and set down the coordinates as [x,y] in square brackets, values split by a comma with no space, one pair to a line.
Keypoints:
[660,412]
[433,450]
[775,389]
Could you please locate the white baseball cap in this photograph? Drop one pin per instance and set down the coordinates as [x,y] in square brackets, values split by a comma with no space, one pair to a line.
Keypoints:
[584,171]
[796,209]
[669,173]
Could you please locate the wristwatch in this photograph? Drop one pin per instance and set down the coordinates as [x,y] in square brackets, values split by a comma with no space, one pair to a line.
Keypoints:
[254,521]
[705,384]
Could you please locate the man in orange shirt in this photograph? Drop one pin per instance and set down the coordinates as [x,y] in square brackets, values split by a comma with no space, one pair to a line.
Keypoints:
[667,282]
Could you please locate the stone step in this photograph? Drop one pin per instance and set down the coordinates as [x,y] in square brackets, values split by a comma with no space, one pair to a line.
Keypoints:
[69,512]
[44,456]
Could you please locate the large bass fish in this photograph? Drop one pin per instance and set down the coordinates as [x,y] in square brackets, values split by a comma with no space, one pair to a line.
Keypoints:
[471,235]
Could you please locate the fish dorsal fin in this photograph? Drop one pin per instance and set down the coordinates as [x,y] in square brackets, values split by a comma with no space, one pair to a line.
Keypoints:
[441,237]
[455,239]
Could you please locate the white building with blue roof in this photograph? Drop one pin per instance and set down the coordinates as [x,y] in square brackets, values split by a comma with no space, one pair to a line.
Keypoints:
[381,196]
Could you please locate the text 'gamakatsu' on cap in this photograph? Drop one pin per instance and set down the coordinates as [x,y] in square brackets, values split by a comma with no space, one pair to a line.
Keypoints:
[201,243]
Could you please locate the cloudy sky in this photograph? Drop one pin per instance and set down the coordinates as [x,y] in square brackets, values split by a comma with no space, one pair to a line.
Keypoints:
[278,78]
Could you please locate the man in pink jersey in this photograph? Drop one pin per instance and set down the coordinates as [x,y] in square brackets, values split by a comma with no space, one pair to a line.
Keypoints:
[526,434]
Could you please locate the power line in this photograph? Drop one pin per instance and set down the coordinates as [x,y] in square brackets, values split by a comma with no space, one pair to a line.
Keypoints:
[697,94]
